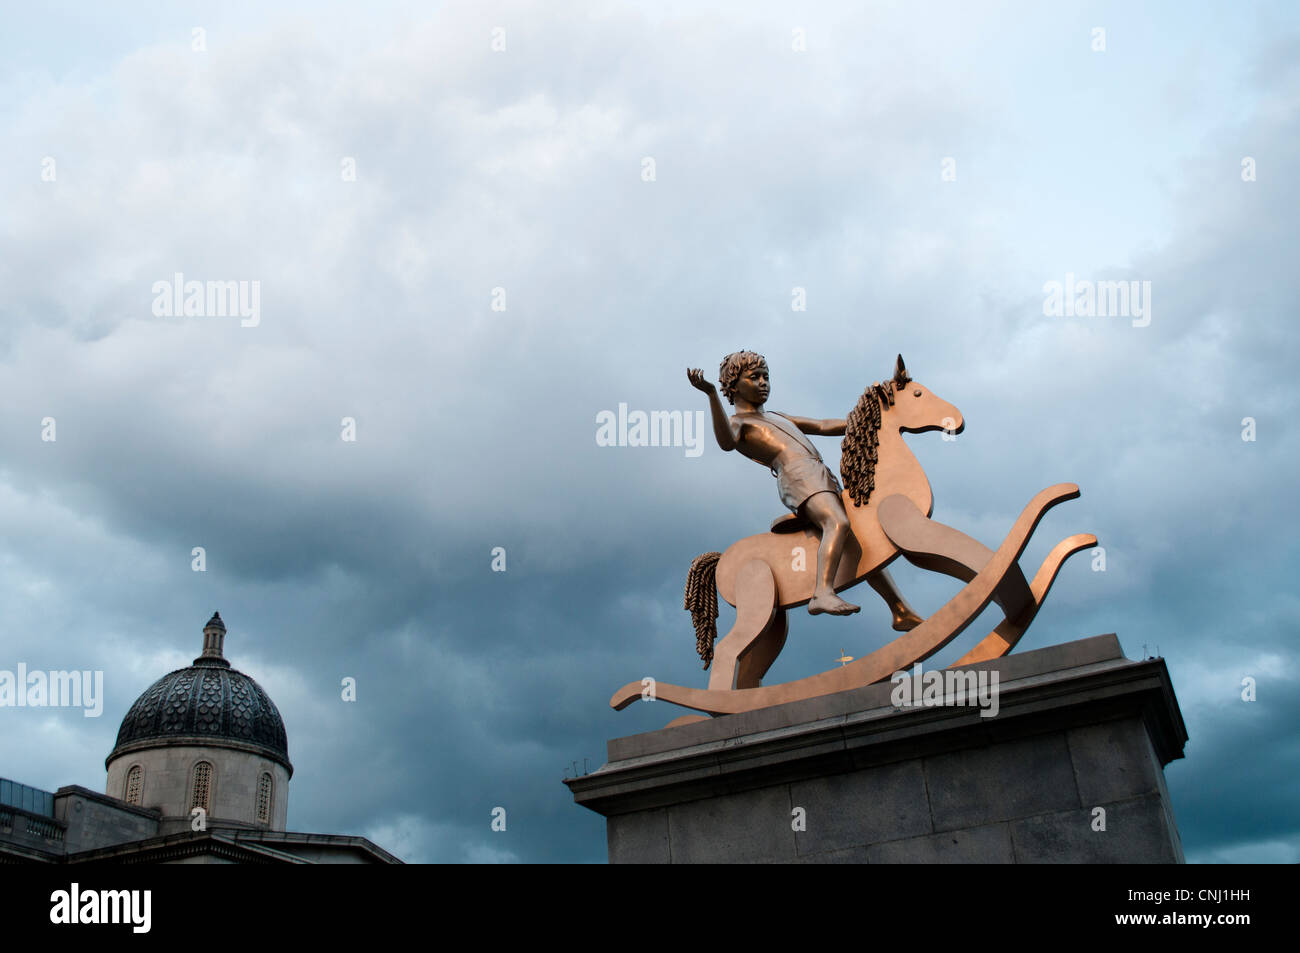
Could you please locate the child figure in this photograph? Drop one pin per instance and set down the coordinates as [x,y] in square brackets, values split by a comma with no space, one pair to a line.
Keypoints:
[807,486]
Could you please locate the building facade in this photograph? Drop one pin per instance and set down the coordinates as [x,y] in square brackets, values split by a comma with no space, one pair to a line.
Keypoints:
[199,774]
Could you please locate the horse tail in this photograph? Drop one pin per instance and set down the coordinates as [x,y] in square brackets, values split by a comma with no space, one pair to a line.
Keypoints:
[702,602]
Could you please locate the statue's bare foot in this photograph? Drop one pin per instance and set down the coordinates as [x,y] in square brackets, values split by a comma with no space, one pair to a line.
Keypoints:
[906,621]
[829,602]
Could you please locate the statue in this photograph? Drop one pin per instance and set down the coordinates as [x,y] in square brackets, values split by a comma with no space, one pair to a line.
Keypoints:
[881,512]
[807,486]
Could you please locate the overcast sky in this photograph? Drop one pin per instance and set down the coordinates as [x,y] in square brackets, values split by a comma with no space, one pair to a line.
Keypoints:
[136,149]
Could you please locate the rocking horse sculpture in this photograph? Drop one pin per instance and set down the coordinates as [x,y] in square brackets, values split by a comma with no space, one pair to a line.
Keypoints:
[882,512]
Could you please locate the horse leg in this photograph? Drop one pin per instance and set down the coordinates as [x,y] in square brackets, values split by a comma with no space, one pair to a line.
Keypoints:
[939,548]
[762,652]
[755,612]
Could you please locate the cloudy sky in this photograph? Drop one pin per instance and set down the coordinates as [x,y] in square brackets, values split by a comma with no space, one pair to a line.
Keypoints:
[456,243]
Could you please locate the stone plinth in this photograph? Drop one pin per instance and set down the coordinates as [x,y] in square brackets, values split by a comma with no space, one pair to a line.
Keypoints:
[1078,727]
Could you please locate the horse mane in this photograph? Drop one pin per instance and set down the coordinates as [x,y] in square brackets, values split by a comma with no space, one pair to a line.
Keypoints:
[860,448]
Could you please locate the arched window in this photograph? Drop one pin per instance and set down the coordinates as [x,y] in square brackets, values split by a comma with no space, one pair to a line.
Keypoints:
[134,785]
[202,786]
[264,798]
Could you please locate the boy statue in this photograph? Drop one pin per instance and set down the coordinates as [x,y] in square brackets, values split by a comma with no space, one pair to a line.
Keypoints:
[807,487]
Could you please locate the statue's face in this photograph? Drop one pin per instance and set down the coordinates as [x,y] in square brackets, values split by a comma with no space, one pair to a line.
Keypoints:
[753,385]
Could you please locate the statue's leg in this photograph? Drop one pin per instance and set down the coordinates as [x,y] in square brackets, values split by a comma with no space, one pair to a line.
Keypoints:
[826,509]
[755,612]
[905,617]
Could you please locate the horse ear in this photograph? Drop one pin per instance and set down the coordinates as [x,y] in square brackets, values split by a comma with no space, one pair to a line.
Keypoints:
[900,371]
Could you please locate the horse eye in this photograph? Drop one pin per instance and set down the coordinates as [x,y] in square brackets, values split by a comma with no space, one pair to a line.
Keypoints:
[917,392]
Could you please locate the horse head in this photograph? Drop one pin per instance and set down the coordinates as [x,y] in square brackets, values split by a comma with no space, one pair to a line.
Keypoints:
[871,435]
[916,409]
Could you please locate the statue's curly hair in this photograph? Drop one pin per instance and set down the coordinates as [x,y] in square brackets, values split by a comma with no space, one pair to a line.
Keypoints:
[733,365]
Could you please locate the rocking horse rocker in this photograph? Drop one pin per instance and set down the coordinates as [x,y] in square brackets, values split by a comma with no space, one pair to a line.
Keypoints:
[882,512]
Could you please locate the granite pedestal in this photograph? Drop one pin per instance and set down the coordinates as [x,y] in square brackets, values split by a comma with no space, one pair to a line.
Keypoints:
[850,778]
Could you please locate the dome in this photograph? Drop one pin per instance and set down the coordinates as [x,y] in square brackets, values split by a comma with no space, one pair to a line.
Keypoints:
[208,703]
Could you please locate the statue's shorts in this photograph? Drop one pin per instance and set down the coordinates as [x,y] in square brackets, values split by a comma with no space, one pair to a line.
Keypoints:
[801,477]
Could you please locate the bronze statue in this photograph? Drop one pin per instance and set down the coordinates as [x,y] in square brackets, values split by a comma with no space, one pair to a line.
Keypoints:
[807,486]
[882,512]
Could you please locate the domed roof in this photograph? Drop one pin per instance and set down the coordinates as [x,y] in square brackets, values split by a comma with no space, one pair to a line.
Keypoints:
[207,703]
